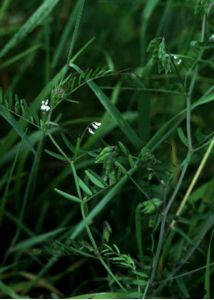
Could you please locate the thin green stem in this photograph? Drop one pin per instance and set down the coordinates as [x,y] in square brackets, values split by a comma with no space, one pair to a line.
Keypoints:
[163,223]
[187,161]
[96,250]
[193,182]
[58,147]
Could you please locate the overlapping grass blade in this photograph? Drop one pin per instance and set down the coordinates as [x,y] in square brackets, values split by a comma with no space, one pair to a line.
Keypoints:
[8,291]
[35,240]
[165,131]
[8,117]
[207,277]
[36,19]
[104,100]
[102,204]
[19,56]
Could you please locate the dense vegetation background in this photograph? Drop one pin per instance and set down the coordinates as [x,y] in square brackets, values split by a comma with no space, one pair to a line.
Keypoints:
[106,155]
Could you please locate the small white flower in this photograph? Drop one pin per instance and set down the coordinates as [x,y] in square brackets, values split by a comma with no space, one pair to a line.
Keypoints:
[45,106]
[97,123]
[211,38]
[90,130]
[193,43]
[105,178]
[177,60]
[162,182]
[94,126]
[150,176]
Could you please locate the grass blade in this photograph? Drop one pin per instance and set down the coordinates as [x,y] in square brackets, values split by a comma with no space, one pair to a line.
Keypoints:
[36,19]
[173,123]
[101,205]
[8,117]
[207,272]
[26,244]
[104,100]
[8,291]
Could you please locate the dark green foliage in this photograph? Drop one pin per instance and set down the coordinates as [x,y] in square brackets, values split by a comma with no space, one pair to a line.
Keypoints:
[106,149]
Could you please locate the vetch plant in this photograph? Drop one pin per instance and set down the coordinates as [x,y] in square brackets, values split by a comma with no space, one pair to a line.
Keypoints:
[211,38]
[93,127]
[108,148]
[45,106]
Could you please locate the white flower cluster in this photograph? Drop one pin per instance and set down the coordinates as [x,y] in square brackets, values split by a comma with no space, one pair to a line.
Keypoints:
[45,105]
[177,60]
[211,38]
[93,127]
